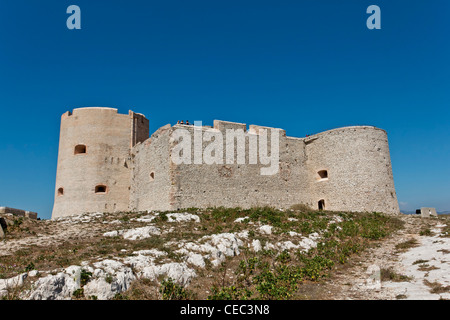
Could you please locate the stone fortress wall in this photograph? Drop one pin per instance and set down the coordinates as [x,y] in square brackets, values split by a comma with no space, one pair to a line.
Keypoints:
[151,181]
[346,169]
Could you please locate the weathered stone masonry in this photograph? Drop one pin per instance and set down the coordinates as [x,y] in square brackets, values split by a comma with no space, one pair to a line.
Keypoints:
[121,169]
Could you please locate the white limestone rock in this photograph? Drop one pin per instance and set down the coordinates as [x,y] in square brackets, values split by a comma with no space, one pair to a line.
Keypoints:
[196,259]
[218,246]
[307,243]
[150,252]
[99,288]
[143,258]
[110,277]
[193,258]
[243,234]
[228,243]
[269,246]
[287,245]
[110,266]
[54,287]
[147,218]
[179,272]
[256,245]
[75,273]
[182,217]
[33,273]
[11,283]
[112,222]
[141,233]
[266,229]
[112,234]
[134,234]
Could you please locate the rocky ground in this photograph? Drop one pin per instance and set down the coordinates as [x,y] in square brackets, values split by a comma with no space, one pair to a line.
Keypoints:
[413,264]
[129,255]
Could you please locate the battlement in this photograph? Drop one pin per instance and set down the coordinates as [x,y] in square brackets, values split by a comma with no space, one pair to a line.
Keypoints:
[221,125]
[19,212]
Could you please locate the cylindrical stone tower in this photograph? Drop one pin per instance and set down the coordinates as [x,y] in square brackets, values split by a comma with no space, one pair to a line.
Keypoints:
[93,172]
[350,170]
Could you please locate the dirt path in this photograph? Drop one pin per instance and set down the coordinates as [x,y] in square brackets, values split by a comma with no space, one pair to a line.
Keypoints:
[50,233]
[408,271]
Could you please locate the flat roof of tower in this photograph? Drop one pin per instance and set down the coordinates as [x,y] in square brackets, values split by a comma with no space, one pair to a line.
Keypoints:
[95,108]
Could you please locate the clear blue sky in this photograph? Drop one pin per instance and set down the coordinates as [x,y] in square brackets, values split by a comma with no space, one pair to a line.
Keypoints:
[305,66]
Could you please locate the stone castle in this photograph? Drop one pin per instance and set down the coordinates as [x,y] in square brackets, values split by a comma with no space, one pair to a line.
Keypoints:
[107,162]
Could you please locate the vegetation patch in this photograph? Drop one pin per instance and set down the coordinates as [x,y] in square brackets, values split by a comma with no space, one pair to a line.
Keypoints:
[426,232]
[427,267]
[170,290]
[388,274]
[420,261]
[436,287]
[406,245]
[266,274]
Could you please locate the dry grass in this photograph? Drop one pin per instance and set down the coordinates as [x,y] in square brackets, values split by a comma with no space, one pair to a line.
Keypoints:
[388,274]
[436,287]
[141,289]
[406,245]
[427,267]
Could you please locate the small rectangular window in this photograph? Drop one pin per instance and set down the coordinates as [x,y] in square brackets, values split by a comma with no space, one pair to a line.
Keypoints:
[101,189]
[323,174]
[80,149]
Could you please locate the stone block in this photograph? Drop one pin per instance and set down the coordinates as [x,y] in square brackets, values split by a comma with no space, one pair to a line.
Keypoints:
[427,212]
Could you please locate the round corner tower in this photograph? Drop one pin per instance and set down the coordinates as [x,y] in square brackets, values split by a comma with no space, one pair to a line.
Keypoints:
[350,170]
[93,173]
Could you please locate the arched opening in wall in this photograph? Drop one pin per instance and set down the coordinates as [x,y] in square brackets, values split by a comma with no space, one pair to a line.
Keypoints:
[80,149]
[101,189]
[321,204]
[323,174]
[60,192]
[152,175]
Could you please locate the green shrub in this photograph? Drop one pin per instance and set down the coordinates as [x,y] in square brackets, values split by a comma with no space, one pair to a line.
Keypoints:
[29,267]
[173,291]
[230,293]
[426,232]
[109,279]
[278,284]
[79,293]
[284,256]
[85,277]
